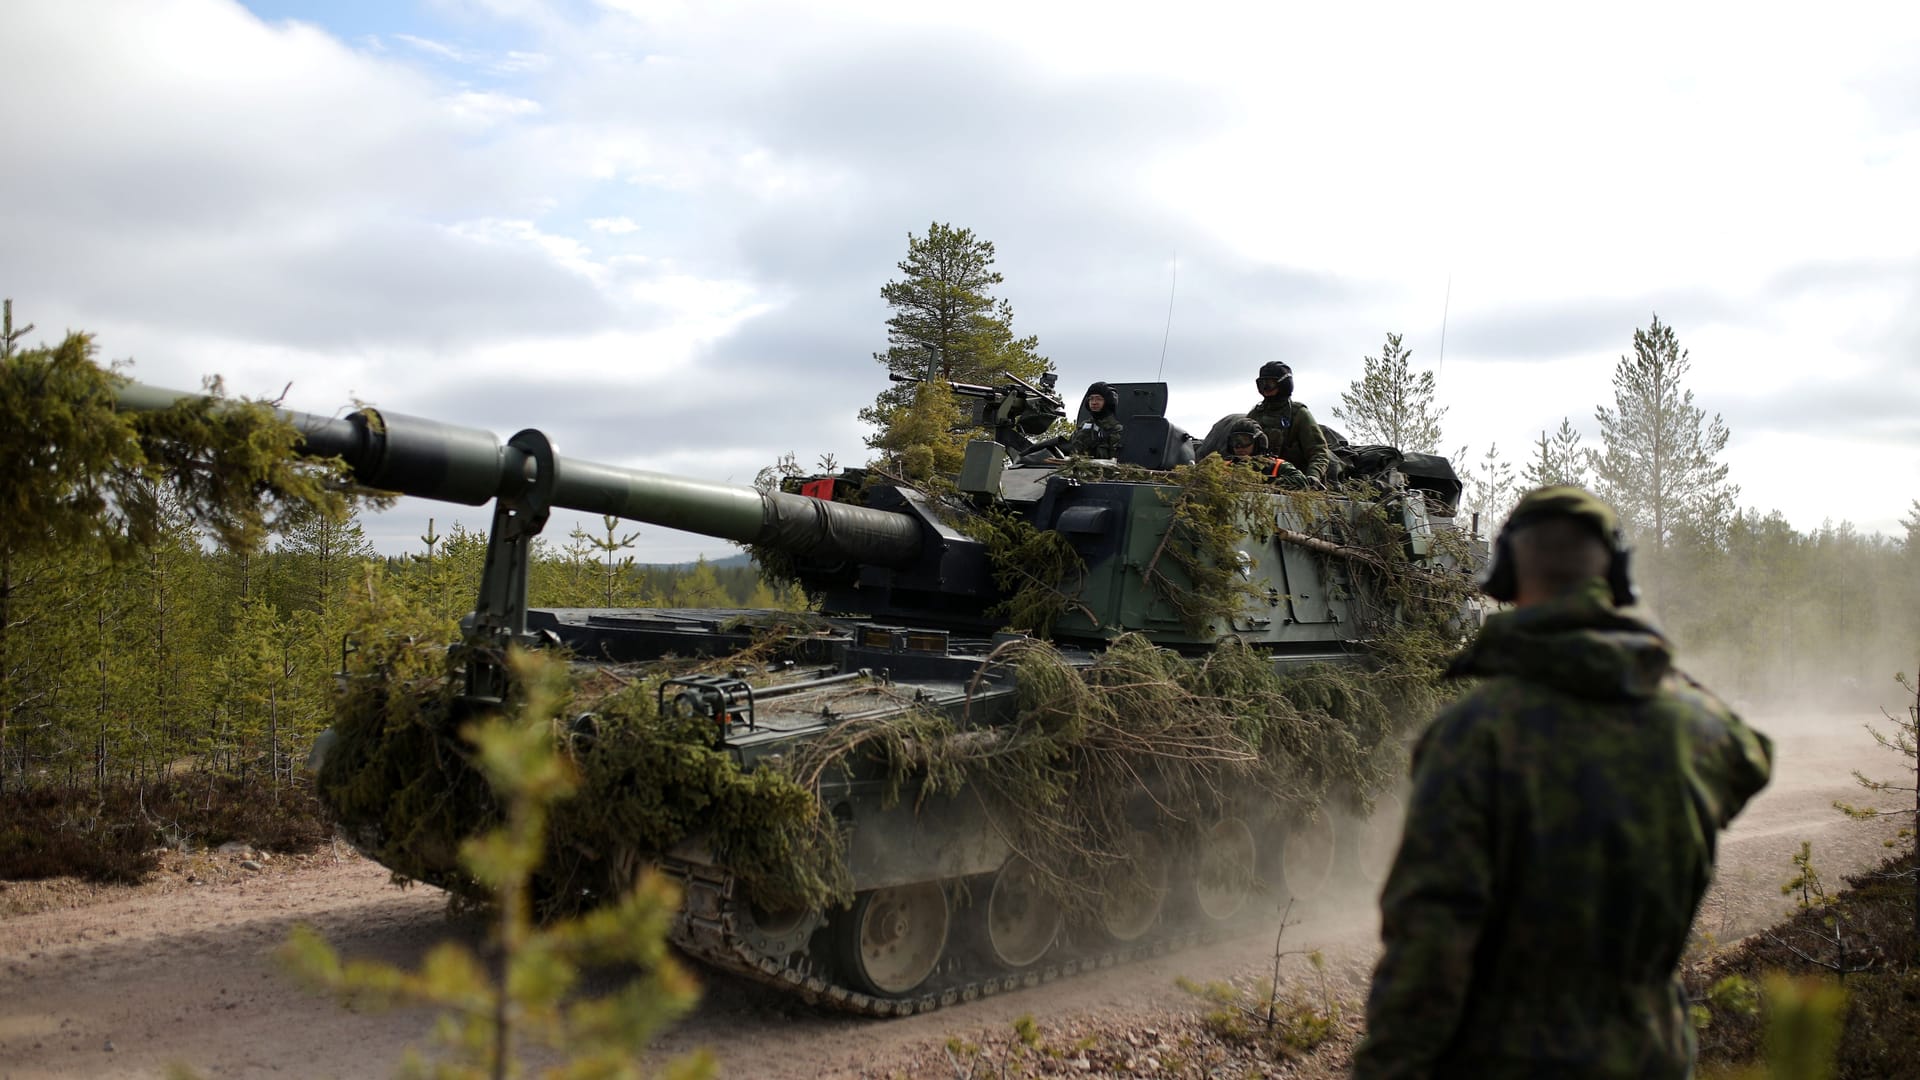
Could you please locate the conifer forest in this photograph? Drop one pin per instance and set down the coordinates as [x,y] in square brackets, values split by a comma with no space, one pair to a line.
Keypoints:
[160,639]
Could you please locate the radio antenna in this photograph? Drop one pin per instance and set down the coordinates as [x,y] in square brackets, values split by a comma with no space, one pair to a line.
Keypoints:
[1169,332]
[1444,306]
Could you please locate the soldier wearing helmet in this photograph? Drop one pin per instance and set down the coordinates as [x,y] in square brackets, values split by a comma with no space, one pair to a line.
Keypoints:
[1291,431]
[1246,444]
[1560,828]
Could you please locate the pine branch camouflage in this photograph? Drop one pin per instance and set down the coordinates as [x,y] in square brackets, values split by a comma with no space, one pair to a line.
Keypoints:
[1560,834]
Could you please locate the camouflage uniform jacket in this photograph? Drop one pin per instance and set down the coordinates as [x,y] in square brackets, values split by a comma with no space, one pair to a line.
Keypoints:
[1097,438]
[1293,434]
[1560,834]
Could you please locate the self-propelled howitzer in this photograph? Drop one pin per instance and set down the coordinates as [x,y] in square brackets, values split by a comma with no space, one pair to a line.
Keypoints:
[991,826]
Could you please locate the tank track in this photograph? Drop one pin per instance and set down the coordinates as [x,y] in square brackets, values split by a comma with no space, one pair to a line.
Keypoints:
[707,930]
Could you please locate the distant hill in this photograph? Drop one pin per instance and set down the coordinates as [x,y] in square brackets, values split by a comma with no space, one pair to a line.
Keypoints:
[731,561]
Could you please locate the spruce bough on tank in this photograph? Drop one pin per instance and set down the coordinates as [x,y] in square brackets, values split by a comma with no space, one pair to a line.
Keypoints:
[1211,729]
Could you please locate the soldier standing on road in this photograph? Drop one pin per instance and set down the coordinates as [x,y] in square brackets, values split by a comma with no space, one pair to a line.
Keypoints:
[1098,437]
[1291,430]
[1560,829]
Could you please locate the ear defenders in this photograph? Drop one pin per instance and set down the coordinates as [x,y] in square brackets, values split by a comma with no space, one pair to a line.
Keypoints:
[1501,581]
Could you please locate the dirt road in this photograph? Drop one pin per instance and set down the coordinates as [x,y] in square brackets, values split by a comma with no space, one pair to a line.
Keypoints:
[182,971]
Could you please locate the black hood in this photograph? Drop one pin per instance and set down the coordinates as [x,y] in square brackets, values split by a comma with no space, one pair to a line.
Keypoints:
[1105,390]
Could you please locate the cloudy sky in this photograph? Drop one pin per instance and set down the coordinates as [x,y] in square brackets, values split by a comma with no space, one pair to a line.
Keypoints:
[657,230]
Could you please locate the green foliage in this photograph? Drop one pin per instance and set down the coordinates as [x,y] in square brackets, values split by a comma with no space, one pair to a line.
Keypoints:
[413,793]
[1389,404]
[1904,741]
[1487,487]
[924,437]
[1039,570]
[1197,569]
[1556,460]
[700,588]
[1657,466]
[946,325]
[1824,936]
[1280,1021]
[1773,613]
[1018,1053]
[655,780]
[1880,1033]
[614,568]
[1208,731]
[86,474]
[95,491]
[320,559]
[1734,995]
[526,992]
[1805,1021]
[1211,731]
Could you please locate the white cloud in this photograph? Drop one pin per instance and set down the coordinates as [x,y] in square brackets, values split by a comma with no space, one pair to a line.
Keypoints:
[211,192]
[437,48]
[516,62]
[483,109]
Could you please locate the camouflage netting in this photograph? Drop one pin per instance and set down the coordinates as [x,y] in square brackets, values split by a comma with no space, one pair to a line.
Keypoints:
[1064,782]
[401,780]
[1142,736]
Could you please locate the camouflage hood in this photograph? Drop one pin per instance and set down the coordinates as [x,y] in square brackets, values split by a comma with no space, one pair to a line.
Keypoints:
[1579,644]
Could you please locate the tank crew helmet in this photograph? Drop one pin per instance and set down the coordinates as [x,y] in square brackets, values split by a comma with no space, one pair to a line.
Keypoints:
[1247,435]
[1501,581]
[1108,399]
[1277,377]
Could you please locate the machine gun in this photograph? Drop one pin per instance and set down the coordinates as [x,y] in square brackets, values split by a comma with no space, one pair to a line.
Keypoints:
[1016,410]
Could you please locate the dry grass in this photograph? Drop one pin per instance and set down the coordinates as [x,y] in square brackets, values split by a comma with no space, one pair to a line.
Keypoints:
[116,835]
[1875,919]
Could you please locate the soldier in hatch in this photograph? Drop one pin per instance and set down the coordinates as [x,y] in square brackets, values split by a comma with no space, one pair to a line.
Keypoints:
[1560,830]
[1099,436]
[1246,445]
[1291,430]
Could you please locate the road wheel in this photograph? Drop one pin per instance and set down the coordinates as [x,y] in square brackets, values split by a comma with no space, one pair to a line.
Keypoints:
[1022,919]
[1376,840]
[1307,860]
[1137,891]
[893,938]
[1224,869]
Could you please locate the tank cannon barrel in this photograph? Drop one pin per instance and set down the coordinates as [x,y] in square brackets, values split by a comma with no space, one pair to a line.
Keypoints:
[430,459]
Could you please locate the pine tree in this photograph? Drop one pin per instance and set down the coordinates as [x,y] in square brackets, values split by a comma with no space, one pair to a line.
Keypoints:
[926,437]
[320,558]
[1659,467]
[173,629]
[701,588]
[1389,404]
[946,324]
[1557,459]
[615,569]
[254,675]
[1488,488]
